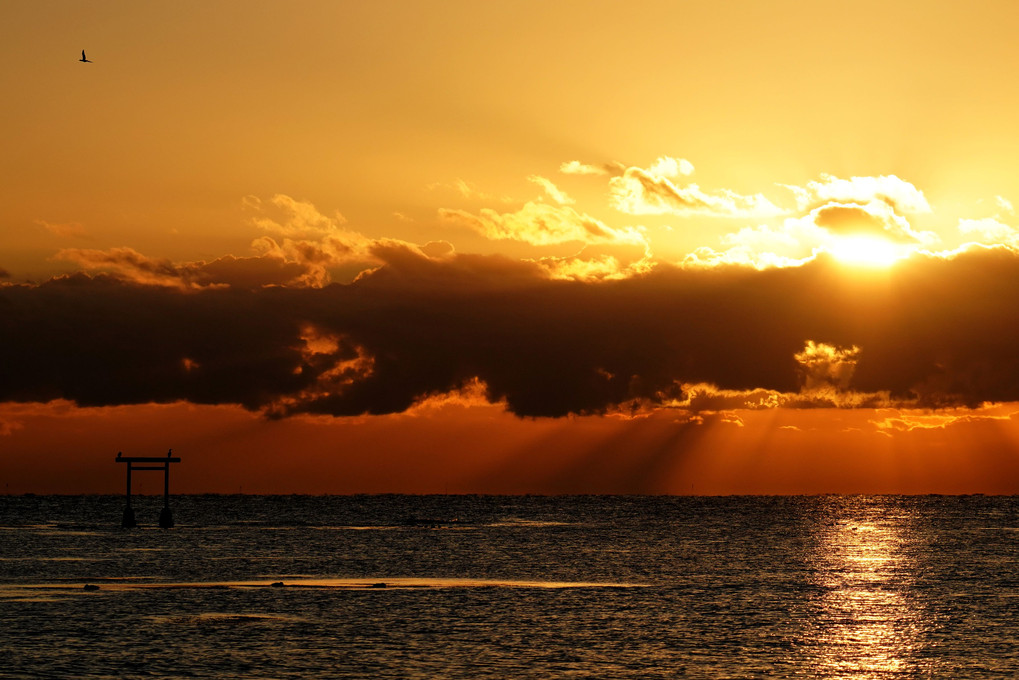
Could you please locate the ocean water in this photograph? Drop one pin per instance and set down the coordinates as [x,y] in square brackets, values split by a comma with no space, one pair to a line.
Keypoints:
[511,587]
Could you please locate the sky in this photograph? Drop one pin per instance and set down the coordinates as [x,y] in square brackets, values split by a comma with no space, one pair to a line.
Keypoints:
[510,247]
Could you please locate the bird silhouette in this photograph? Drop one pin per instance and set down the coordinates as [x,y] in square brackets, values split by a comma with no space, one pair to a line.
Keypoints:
[87,61]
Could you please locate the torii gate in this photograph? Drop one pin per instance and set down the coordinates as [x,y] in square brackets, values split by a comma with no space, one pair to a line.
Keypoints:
[149,463]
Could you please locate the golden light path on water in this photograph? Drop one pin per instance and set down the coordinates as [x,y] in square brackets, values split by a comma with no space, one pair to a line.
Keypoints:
[872,623]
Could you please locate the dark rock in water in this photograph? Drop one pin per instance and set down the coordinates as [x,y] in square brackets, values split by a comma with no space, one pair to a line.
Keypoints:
[378,585]
[277,584]
[89,586]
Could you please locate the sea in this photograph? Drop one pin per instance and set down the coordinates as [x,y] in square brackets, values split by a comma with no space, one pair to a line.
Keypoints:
[389,586]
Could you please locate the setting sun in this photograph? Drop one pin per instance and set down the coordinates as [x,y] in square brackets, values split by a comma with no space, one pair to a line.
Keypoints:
[866,251]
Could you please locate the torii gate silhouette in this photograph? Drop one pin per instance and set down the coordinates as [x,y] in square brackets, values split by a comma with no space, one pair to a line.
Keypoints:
[148,463]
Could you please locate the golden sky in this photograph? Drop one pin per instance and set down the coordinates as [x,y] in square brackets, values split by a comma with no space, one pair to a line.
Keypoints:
[511,247]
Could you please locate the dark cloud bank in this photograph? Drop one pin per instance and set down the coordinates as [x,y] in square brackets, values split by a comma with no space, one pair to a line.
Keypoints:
[931,332]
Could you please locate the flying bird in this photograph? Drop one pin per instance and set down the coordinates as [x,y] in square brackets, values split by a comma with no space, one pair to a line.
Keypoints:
[87,61]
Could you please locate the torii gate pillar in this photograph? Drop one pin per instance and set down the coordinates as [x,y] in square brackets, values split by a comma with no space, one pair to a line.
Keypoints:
[148,463]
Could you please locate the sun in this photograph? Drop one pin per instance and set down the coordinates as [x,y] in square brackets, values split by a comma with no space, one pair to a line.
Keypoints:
[866,251]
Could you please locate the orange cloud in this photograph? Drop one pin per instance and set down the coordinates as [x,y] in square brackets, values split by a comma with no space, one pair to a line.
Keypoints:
[126,262]
[989,231]
[321,247]
[551,190]
[73,230]
[826,366]
[578,168]
[898,194]
[705,397]
[790,244]
[667,166]
[830,228]
[861,220]
[285,215]
[131,265]
[472,393]
[876,218]
[648,192]
[911,421]
[600,263]
[542,224]
[7,427]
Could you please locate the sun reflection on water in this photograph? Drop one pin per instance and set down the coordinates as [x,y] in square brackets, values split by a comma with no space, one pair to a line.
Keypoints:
[871,621]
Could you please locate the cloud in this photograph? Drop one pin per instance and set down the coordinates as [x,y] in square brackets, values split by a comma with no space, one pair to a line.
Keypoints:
[871,219]
[791,243]
[405,265]
[542,224]
[300,233]
[294,263]
[126,262]
[553,192]
[705,397]
[639,191]
[600,262]
[895,421]
[825,374]
[833,216]
[845,217]
[315,248]
[989,231]
[317,257]
[656,190]
[438,249]
[4,274]
[578,168]
[65,230]
[290,217]
[896,193]
[471,394]
[932,333]
[7,427]
[250,272]
[826,228]
[825,366]
[667,166]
